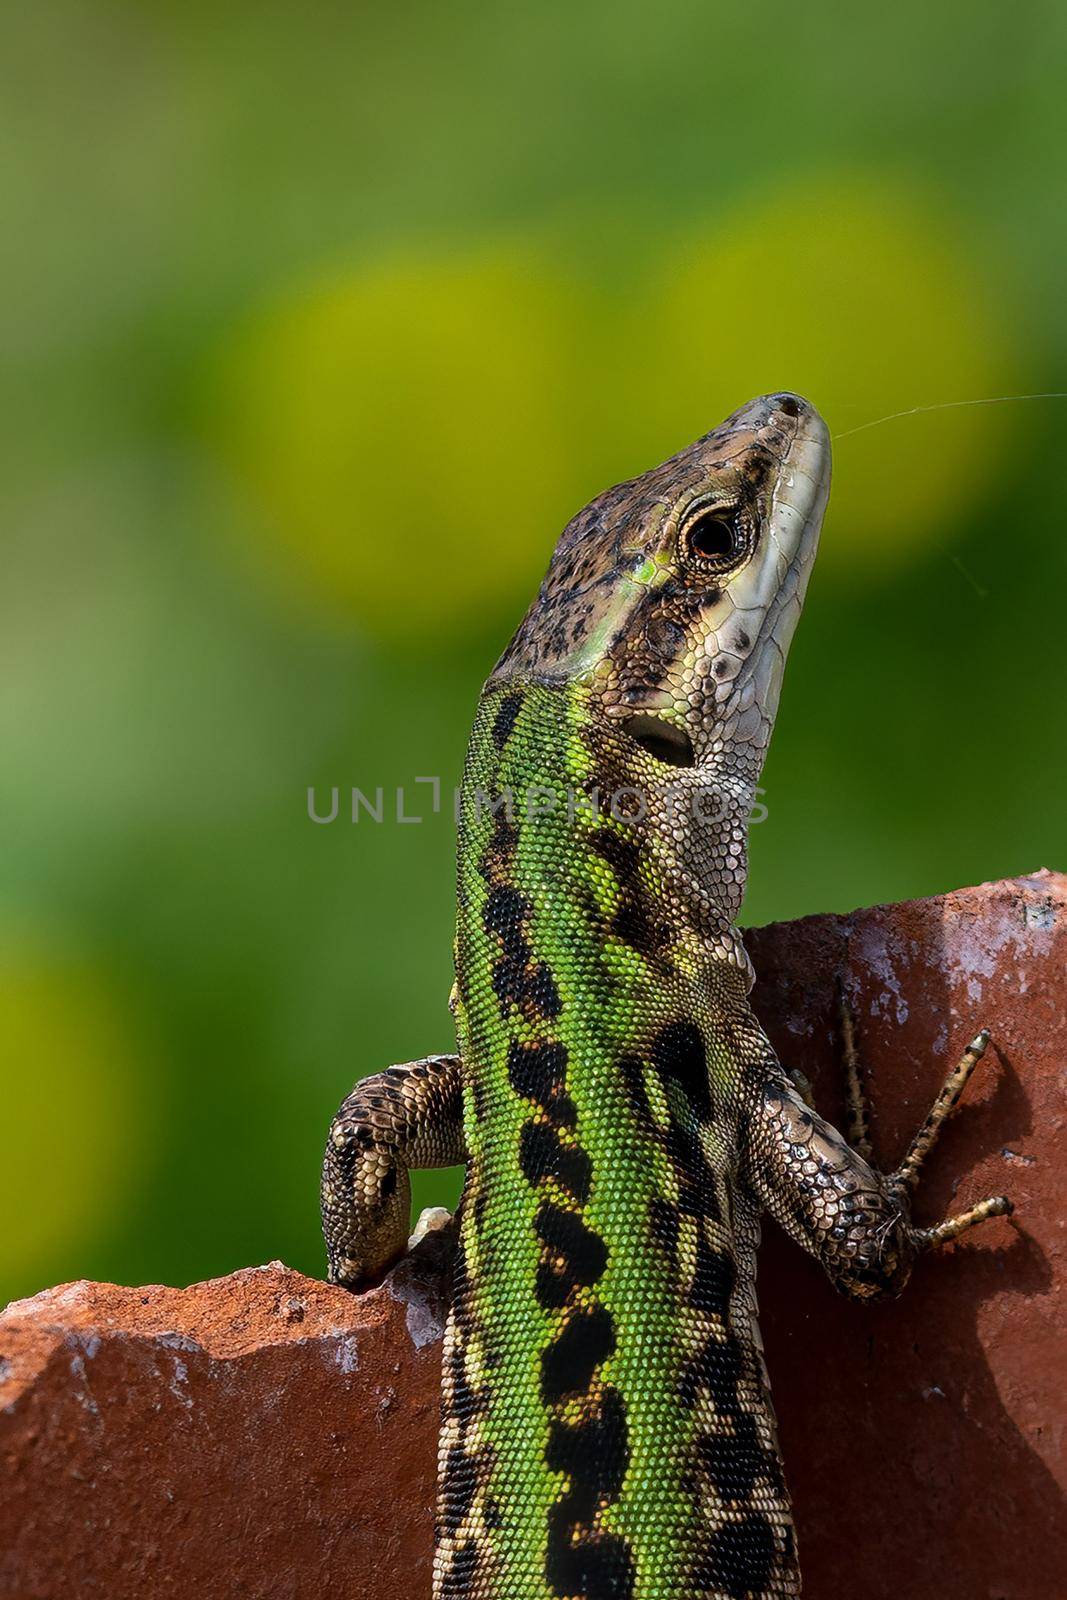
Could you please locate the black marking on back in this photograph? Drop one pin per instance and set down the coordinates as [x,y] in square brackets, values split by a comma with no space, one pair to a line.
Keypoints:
[518,980]
[638,925]
[542,1155]
[665,1222]
[638,921]
[697,1192]
[499,853]
[538,1074]
[739,1559]
[620,851]
[678,1055]
[459,1574]
[573,1257]
[734,1461]
[593,1453]
[467,1402]
[459,1488]
[598,1568]
[568,1364]
[713,1280]
[504,912]
[506,717]
[540,993]
[631,1070]
[716,1370]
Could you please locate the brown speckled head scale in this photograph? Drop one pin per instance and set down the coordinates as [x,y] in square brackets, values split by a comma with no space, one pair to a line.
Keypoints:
[630,606]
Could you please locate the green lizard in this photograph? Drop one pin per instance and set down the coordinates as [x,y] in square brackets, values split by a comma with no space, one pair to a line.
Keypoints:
[607,1431]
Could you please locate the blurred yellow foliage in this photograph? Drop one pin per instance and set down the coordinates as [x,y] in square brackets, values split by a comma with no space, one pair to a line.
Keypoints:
[863,296]
[72,1115]
[400,431]
[412,435]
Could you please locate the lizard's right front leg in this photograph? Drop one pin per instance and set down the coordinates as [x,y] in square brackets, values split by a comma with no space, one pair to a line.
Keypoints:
[409,1116]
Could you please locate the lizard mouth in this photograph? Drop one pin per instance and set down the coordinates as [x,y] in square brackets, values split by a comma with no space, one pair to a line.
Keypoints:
[662,739]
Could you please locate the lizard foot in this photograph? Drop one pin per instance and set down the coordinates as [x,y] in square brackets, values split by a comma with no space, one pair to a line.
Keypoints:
[901,1183]
[904,1179]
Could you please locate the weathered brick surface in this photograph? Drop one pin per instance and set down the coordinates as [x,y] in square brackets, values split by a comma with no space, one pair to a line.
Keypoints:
[268,1436]
[925,1439]
[262,1435]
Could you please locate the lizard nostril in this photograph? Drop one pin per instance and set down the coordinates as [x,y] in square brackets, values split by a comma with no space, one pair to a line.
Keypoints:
[789,405]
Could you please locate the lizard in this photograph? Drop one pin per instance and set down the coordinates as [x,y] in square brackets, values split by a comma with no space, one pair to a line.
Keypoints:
[607,1430]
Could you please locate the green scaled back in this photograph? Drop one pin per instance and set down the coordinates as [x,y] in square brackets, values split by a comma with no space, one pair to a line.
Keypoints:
[606,1429]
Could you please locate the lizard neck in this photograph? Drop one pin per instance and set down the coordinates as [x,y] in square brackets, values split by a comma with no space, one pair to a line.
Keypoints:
[553,778]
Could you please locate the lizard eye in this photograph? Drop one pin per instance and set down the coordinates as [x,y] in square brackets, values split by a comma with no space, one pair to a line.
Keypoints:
[716,539]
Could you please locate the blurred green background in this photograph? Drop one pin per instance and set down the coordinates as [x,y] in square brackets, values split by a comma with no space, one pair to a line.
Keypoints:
[318,324]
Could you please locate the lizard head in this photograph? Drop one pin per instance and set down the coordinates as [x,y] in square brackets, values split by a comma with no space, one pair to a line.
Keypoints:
[671,599]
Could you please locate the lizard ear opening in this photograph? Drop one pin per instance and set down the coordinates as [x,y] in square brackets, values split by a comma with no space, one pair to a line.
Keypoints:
[662,739]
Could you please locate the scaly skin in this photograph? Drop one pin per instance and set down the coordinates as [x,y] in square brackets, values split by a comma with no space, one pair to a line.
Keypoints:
[607,1431]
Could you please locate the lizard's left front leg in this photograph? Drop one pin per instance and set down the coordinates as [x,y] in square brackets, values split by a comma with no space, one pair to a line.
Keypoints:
[826,1193]
[408,1116]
